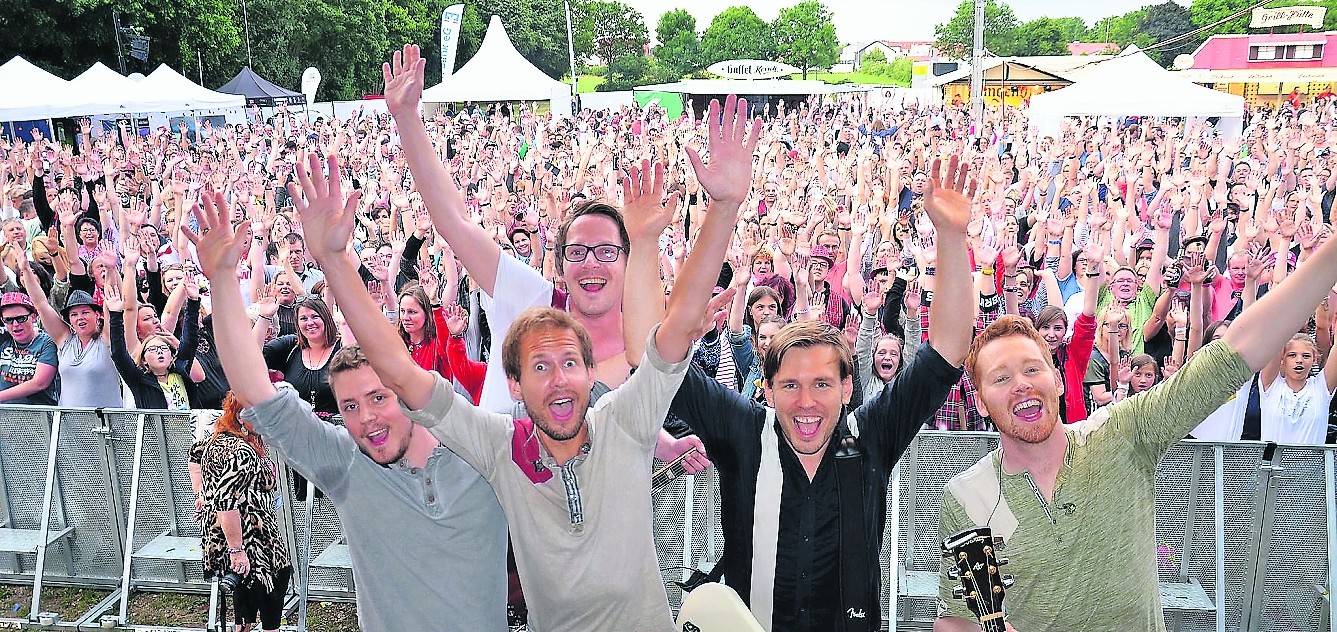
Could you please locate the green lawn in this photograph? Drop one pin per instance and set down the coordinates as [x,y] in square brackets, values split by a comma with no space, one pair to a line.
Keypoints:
[848,77]
[587,83]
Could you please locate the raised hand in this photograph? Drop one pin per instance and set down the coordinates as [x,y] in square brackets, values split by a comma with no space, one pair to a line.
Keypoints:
[218,246]
[327,215]
[728,178]
[457,320]
[642,190]
[946,197]
[111,293]
[404,81]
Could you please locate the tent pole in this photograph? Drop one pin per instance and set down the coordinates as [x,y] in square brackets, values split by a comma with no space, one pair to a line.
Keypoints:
[571,51]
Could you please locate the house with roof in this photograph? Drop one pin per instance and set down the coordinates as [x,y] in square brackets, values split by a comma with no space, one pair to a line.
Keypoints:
[1266,67]
[851,56]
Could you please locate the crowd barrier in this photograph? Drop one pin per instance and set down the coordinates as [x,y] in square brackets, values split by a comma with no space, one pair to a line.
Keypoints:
[1246,532]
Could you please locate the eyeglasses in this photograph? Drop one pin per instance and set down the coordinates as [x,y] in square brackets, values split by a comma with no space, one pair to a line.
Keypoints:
[17,320]
[606,253]
[157,348]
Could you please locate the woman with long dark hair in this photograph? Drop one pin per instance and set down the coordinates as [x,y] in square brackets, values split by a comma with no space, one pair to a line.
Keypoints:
[240,534]
[303,357]
[421,325]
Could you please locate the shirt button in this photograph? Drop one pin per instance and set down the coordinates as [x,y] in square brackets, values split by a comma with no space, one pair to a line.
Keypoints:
[431,498]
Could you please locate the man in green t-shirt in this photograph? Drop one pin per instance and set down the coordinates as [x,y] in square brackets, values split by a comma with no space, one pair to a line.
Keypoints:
[1075,503]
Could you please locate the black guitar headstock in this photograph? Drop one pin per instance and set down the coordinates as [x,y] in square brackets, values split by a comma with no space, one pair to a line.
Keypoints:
[973,553]
[670,472]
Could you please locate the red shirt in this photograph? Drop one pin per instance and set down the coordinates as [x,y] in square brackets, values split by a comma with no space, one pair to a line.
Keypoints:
[447,355]
[1075,356]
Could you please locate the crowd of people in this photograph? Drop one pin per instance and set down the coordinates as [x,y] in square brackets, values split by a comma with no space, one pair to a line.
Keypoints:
[508,312]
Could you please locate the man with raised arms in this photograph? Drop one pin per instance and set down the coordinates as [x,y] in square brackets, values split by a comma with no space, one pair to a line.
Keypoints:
[425,532]
[1071,501]
[579,513]
[804,484]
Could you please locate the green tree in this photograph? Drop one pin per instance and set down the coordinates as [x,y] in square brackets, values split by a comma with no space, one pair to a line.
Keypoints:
[805,37]
[1207,12]
[1164,21]
[1073,29]
[955,37]
[1041,36]
[874,62]
[536,27]
[901,71]
[1120,29]
[679,48]
[616,30]
[736,33]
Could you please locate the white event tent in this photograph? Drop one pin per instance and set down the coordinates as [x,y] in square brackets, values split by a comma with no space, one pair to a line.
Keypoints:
[1131,84]
[498,72]
[29,93]
[170,84]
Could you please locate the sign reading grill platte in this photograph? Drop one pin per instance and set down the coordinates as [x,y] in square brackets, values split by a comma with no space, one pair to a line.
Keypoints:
[1311,16]
[752,69]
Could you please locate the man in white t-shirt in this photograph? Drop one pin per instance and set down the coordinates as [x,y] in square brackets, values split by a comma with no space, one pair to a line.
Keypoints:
[1295,403]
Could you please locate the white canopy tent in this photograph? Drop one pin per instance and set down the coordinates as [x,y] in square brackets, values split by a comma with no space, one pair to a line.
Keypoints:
[498,72]
[169,84]
[1131,84]
[29,93]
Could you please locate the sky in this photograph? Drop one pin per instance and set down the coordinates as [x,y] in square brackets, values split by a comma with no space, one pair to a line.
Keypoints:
[863,20]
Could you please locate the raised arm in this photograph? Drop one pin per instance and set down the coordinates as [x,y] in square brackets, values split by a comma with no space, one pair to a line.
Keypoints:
[51,320]
[732,142]
[403,90]
[219,248]
[646,218]
[952,313]
[1260,331]
[328,220]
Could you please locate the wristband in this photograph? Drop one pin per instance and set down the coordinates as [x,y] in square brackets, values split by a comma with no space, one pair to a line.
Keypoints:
[926,297]
[233,550]
[989,303]
[987,270]
[1054,242]
[930,270]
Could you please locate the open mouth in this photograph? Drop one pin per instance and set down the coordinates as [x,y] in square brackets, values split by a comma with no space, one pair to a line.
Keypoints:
[562,409]
[807,427]
[379,437]
[886,367]
[1028,410]
[592,284]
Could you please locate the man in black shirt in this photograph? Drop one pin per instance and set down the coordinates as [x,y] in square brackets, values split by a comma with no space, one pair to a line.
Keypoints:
[804,484]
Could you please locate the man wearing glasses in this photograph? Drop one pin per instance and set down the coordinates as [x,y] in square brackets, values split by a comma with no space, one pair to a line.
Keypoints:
[27,356]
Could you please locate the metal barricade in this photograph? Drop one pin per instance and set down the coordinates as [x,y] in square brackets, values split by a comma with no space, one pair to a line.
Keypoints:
[1246,533]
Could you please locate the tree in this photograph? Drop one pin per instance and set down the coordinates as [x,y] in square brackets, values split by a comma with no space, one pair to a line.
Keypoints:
[901,71]
[679,49]
[736,33]
[1160,23]
[805,36]
[1207,12]
[955,37]
[874,62]
[1120,29]
[616,30]
[1041,36]
[537,28]
[1073,28]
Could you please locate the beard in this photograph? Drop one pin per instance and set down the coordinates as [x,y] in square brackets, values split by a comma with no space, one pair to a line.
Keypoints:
[397,457]
[1037,432]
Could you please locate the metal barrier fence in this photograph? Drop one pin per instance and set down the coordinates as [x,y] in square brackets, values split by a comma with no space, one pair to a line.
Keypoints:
[1246,532]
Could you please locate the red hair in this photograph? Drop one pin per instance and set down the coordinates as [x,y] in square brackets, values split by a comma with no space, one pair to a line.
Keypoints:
[232,423]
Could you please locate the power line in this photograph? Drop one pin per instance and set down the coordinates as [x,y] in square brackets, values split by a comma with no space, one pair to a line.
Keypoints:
[1177,38]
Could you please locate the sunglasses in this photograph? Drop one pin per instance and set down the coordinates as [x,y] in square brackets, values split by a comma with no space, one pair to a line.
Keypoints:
[17,320]
[156,349]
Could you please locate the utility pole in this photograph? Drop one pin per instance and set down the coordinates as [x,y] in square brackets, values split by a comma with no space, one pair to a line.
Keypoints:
[571,51]
[116,26]
[977,69]
[246,24]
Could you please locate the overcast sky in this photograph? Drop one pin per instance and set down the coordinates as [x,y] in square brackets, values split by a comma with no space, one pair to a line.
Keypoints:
[861,20]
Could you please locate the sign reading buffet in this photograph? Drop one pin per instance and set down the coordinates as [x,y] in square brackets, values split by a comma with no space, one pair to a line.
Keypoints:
[752,69]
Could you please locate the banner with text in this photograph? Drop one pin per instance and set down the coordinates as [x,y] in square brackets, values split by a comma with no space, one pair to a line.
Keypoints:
[1310,16]
[450,34]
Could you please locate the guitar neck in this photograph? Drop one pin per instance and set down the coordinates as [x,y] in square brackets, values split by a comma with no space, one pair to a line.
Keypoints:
[670,472]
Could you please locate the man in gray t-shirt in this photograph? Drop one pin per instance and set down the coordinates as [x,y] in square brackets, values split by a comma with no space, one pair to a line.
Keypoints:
[425,532]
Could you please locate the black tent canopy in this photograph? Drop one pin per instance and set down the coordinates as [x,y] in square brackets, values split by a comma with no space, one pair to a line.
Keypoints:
[260,91]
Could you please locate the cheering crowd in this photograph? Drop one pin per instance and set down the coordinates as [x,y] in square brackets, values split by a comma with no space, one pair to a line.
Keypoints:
[509,312]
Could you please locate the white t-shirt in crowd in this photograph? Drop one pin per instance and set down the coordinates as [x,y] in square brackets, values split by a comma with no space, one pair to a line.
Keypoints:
[1296,418]
[1227,422]
[518,287]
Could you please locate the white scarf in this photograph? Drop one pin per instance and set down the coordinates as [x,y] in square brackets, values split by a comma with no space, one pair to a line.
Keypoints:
[766,520]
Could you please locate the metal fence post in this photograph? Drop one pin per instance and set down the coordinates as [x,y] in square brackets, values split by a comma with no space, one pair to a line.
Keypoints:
[130,522]
[52,445]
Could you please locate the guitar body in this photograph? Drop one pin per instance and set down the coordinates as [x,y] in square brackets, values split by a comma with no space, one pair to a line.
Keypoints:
[714,607]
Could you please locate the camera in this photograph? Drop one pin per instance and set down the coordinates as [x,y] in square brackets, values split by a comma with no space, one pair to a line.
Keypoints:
[231,581]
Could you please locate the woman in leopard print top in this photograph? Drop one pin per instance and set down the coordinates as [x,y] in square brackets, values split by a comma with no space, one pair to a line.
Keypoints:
[240,532]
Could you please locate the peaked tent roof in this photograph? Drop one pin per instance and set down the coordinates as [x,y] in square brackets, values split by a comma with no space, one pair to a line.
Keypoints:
[28,92]
[105,91]
[497,72]
[169,83]
[261,91]
[1131,84]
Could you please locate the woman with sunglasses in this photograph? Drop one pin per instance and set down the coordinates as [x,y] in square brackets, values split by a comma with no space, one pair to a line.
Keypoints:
[158,376]
[88,375]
